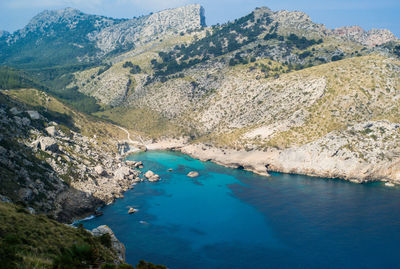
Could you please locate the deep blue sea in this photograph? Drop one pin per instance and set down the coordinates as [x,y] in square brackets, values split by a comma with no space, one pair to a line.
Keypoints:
[230,218]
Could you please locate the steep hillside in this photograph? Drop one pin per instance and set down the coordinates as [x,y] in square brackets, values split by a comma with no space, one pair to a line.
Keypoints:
[31,241]
[56,160]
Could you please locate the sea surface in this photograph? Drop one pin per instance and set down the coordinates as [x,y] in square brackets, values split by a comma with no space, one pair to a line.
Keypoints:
[230,218]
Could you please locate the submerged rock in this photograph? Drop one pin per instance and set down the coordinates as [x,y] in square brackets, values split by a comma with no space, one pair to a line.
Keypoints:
[193,174]
[388,184]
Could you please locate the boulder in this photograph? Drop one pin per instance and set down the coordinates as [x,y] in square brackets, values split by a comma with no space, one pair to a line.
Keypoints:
[118,247]
[33,114]
[132,210]
[130,163]
[149,174]
[48,143]
[154,178]
[122,172]
[99,170]
[15,111]
[52,131]
[31,210]
[139,164]
[193,174]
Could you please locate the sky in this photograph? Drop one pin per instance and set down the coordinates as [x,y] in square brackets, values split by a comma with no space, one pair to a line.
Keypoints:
[15,14]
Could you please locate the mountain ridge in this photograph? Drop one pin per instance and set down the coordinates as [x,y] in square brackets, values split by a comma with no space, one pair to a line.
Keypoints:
[84,38]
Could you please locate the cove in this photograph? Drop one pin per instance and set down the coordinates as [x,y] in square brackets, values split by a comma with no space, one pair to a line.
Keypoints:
[230,218]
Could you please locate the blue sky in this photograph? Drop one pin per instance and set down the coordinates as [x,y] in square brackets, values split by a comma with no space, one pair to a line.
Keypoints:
[14,14]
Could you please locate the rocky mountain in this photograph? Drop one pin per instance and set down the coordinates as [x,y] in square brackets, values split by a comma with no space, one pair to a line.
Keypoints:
[268,82]
[68,36]
[371,38]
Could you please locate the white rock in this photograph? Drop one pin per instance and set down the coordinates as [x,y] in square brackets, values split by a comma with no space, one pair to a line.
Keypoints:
[149,174]
[132,210]
[122,172]
[193,174]
[99,170]
[33,114]
[52,131]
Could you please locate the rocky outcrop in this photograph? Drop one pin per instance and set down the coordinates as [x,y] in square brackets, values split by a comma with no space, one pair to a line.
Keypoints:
[371,38]
[118,247]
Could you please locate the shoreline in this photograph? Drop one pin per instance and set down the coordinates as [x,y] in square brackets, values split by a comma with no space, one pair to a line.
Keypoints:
[290,161]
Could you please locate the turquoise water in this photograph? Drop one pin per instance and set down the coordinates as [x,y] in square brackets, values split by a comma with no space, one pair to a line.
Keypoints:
[229,218]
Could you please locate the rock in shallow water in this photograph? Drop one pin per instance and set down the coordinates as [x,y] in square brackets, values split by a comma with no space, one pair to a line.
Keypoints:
[193,174]
[132,210]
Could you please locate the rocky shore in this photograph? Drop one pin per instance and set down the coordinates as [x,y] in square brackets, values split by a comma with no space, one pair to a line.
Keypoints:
[309,160]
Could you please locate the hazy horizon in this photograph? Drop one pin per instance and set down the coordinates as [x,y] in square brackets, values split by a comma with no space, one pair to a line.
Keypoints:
[15,14]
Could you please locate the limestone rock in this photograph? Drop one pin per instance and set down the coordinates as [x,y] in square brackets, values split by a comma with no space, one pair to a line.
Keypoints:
[99,170]
[369,38]
[118,247]
[154,178]
[149,174]
[51,130]
[122,172]
[48,143]
[132,210]
[193,174]
[33,114]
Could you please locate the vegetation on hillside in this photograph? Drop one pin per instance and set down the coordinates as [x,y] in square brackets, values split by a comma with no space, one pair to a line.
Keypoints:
[35,241]
[16,79]
[31,241]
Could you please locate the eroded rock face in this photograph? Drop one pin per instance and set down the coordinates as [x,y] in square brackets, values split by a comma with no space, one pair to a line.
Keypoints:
[116,244]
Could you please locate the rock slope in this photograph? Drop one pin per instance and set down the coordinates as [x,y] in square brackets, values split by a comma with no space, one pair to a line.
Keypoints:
[50,164]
